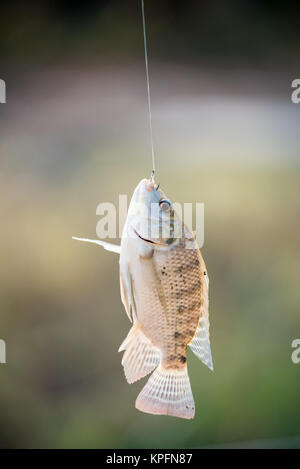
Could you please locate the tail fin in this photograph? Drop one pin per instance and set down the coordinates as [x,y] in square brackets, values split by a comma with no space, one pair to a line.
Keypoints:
[167,392]
[140,357]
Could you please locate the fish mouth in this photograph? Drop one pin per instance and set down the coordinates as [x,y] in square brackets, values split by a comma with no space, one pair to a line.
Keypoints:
[147,240]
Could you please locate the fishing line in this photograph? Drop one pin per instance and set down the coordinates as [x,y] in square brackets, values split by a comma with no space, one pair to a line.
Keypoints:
[148,91]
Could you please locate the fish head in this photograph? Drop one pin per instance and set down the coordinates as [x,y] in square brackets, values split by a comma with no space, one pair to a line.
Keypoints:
[151,216]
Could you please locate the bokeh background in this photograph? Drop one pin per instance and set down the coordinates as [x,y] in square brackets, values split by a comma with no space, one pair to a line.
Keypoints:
[73,133]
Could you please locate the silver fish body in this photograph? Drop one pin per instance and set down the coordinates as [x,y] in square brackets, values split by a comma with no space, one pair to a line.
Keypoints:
[164,288]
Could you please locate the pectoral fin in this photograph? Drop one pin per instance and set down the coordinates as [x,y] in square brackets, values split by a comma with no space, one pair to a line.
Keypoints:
[159,290]
[127,294]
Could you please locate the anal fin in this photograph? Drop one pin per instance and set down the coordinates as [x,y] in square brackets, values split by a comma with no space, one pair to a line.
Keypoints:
[140,357]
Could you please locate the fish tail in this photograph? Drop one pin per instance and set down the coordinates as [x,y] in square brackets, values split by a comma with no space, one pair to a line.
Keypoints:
[167,392]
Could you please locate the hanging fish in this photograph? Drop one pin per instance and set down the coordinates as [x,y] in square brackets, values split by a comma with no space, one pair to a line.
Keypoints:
[164,289]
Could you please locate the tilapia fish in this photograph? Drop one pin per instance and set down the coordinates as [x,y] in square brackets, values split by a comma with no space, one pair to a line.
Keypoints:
[164,288]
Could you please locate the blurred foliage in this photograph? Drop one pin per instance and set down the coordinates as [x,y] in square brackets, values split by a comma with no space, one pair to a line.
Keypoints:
[249,31]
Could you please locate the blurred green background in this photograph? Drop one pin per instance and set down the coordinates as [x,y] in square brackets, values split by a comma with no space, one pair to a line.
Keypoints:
[74,132]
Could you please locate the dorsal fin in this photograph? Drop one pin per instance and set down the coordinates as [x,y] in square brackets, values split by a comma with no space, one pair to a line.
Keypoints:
[200,343]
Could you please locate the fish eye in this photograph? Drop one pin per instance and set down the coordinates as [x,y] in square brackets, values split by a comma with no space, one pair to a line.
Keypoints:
[165,205]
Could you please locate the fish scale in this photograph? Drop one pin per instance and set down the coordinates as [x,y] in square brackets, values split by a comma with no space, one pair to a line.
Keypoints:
[183,307]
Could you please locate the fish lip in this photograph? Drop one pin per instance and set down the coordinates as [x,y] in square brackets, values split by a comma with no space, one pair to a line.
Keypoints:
[147,240]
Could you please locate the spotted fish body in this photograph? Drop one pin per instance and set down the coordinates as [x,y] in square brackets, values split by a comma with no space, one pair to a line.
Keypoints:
[164,288]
